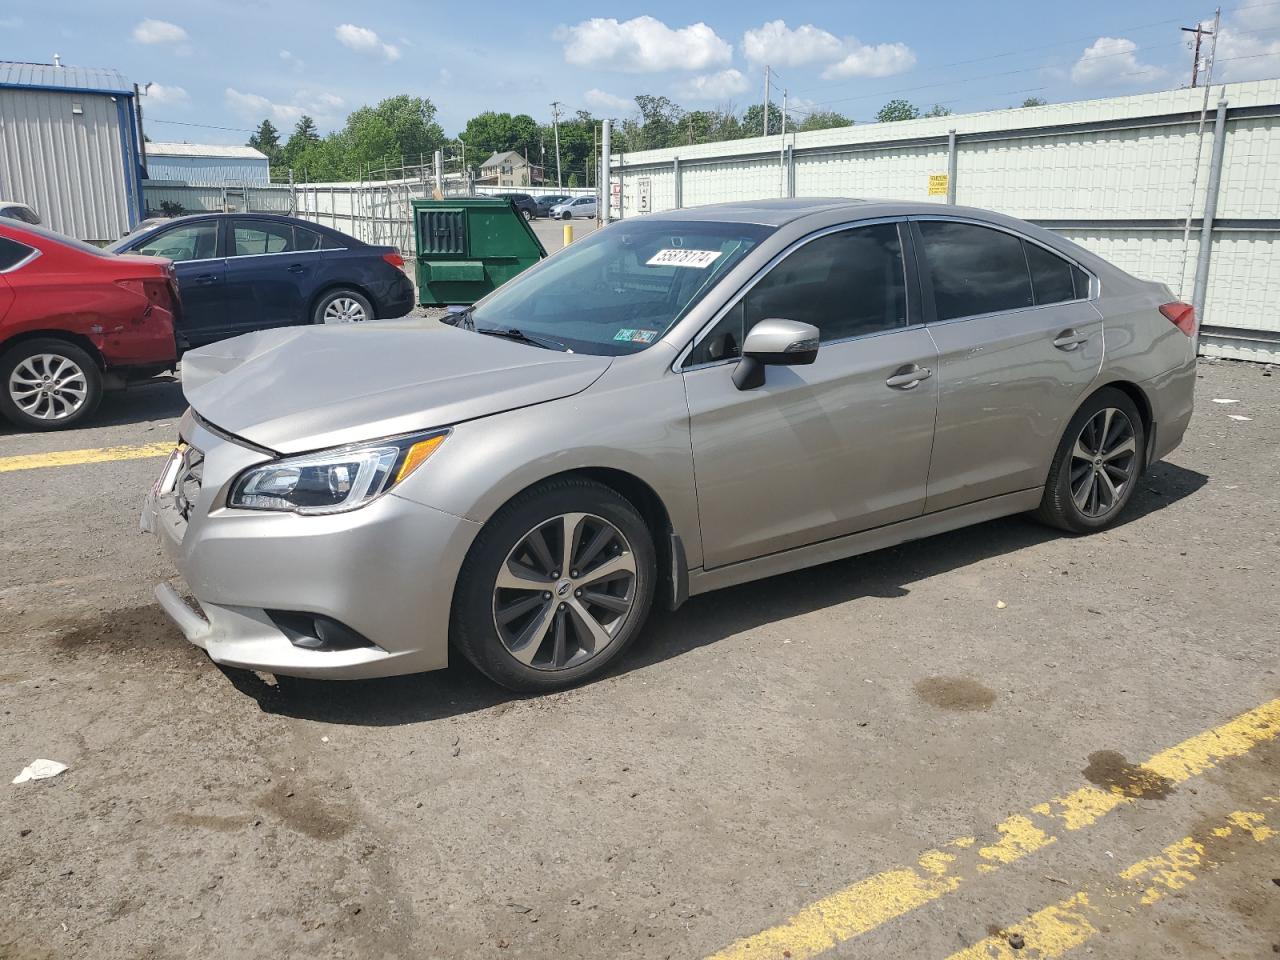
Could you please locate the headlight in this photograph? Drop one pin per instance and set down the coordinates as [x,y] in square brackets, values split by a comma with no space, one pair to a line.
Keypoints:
[333,481]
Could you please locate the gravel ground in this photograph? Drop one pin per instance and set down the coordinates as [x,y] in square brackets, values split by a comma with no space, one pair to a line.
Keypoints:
[761,748]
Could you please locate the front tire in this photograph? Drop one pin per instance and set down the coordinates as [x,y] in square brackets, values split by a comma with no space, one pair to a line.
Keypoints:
[48,385]
[566,215]
[342,306]
[529,624]
[1097,465]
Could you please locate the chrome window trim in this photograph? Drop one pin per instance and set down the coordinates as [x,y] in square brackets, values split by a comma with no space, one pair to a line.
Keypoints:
[33,255]
[746,288]
[277,253]
[1095,284]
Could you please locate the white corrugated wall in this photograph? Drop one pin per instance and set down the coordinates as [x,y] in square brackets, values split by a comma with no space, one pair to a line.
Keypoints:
[69,166]
[1122,192]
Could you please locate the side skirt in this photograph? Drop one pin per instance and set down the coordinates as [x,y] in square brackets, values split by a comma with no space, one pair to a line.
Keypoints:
[702,581]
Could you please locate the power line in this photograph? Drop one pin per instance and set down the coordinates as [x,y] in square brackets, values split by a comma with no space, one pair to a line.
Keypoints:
[207,126]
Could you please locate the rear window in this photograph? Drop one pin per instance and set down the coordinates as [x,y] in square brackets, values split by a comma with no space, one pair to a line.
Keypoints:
[66,241]
[12,253]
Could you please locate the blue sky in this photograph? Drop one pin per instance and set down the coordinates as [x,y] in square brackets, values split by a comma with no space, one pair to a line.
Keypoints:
[229,64]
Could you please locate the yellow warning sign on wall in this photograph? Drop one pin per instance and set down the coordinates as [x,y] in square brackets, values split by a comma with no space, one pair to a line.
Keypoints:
[938,184]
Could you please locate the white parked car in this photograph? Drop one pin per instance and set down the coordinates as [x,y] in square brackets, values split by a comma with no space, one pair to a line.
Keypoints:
[575,208]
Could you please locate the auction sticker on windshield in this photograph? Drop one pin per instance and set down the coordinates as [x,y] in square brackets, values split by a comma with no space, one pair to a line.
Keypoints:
[677,257]
[636,336]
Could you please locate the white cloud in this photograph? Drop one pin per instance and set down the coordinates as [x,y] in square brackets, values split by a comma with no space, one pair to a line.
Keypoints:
[642,45]
[779,46]
[603,100]
[1112,60]
[159,31]
[293,60]
[10,23]
[364,40]
[714,86]
[1243,56]
[871,60]
[169,96]
[256,106]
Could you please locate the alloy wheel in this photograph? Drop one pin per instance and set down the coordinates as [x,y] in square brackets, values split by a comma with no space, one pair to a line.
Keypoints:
[48,386]
[345,310]
[1104,459]
[565,591]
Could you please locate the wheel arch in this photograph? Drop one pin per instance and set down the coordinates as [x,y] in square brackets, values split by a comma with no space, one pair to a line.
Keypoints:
[1140,400]
[75,339]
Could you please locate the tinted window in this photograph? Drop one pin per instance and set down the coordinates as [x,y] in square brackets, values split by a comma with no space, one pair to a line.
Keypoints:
[974,269]
[11,252]
[252,237]
[1052,278]
[582,201]
[332,243]
[846,284]
[304,239]
[194,241]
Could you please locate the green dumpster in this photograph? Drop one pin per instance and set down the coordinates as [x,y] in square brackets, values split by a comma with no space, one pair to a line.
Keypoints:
[468,246]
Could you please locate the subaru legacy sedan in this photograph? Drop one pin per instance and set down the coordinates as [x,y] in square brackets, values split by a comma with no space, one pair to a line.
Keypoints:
[676,403]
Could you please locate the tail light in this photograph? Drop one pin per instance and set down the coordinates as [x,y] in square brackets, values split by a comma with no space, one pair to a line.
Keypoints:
[1182,316]
[394,259]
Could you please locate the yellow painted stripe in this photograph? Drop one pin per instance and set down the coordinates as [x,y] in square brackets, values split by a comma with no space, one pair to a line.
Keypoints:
[867,904]
[1050,933]
[66,458]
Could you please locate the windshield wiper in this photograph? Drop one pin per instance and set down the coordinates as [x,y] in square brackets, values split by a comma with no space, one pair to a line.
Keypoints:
[460,318]
[535,339]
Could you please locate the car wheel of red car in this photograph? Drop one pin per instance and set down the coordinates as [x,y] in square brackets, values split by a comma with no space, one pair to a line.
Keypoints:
[48,385]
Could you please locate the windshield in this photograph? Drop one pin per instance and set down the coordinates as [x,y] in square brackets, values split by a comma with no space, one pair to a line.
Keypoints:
[621,288]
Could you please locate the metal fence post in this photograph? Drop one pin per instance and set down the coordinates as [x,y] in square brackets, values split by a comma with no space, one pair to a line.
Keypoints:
[675,179]
[605,207]
[1201,285]
[951,165]
[791,170]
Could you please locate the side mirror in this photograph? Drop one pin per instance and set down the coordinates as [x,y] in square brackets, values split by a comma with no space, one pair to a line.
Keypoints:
[774,343]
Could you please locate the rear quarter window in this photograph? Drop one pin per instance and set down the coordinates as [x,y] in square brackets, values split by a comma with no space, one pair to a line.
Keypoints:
[13,253]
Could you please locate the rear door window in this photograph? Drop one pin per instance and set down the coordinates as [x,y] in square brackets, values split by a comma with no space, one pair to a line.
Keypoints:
[304,239]
[974,269]
[13,253]
[250,238]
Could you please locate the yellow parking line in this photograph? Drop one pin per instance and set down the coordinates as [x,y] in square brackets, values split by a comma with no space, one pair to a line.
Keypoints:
[1051,932]
[66,458]
[867,904]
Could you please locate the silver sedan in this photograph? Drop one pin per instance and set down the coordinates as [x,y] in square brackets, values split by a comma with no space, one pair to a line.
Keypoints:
[674,404]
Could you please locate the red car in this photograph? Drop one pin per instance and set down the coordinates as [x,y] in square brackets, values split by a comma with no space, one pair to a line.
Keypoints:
[75,320]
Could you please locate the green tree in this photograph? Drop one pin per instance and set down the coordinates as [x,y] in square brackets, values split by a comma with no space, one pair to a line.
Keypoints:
[823,120]
[897,110]
[751,120]
[267,140]
[491,132]
[938,110]
[398,129]
[303,137]
[1034,102]
[708,126]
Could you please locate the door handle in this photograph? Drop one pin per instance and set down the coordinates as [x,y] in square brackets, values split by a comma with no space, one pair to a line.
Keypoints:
[206,278]
[907,377]
[297,268]
[1069,339]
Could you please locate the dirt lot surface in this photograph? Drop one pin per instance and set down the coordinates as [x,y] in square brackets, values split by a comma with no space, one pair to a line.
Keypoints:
[896,719]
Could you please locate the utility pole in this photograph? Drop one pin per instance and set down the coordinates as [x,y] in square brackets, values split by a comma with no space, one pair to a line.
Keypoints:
[555,123]
[765,129]
[1200,32]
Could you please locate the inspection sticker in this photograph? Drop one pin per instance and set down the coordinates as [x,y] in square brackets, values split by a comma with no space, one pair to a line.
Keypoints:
[636,336]
[678,257]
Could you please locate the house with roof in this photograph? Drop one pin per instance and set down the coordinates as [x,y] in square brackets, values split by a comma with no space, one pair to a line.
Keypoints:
[506,168]
[71,147]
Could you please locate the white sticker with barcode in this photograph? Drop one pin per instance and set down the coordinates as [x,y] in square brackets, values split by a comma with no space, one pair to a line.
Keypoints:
[678,257]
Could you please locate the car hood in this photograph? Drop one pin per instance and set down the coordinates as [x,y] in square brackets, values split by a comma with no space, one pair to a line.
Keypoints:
[304,388]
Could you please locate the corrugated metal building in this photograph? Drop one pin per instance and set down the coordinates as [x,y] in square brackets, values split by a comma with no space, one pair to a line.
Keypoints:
[1118,176]
[204,164]
[70,146]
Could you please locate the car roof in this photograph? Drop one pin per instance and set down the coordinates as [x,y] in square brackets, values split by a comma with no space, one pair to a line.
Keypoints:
[277,217]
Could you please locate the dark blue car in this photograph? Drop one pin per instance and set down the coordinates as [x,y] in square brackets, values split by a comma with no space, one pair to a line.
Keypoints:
[249,271]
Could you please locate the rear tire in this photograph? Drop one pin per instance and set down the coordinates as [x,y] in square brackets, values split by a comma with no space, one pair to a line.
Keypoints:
[530,626]
[1097,465]
[48,385]
[343,305]
[528,215]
